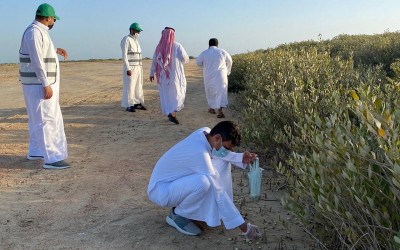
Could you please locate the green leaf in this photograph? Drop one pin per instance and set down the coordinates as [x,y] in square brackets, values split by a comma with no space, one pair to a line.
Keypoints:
[358,199]
[350,165]
[354,95]
[318,122]
[312,171]
[395,182]
[370,201]
[345,175]
[369,172]
[336,201]
[396,169]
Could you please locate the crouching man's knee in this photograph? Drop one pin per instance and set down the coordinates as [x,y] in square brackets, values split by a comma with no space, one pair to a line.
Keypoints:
[202,185]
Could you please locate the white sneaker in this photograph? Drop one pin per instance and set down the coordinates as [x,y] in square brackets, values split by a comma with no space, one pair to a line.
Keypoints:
[34,157]
[56,165]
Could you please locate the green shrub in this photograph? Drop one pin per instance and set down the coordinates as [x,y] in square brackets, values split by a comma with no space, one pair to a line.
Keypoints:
[351,176]
[281,86]
[340,156]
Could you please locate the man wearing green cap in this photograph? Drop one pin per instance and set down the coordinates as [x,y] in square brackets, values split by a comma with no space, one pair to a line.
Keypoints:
[39,73]
[132,74]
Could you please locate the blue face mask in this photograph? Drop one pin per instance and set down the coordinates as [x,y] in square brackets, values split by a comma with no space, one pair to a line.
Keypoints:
[221,152]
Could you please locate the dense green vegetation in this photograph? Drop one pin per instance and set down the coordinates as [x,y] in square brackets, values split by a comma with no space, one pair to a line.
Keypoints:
[327,115]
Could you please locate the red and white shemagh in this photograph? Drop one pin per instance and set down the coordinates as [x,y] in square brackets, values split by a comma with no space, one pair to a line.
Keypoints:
[163,52]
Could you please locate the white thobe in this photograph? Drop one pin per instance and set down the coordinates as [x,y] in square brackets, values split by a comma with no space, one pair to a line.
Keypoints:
[45,121]
[217,64]
[132,91]
[173,90]
[185,178]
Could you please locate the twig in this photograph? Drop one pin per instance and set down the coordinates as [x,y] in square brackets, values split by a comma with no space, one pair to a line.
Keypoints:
[319,242]
[261,199]
[281,187]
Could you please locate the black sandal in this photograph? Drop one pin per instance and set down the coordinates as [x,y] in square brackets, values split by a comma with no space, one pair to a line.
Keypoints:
[173,119]
[130,109]
[140,106]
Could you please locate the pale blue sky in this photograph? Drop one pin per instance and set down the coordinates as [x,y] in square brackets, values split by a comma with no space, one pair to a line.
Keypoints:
[94,28]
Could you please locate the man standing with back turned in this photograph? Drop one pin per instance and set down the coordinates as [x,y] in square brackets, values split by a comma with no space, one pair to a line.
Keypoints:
[217,64]
[132,93]
[39,71]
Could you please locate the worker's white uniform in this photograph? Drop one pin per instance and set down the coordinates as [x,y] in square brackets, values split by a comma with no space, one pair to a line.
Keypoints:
[132,91]
[39,67]
[185,178]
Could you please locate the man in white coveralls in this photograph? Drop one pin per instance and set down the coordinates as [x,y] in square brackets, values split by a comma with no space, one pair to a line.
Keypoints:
[217,64]
[185,179]
[132,91]
[39,73]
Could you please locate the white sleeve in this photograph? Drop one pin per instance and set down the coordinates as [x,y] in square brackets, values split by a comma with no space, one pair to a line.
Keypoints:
[184,58]
[235,159]
[124,48]
[153,65]
[34,43]
[199,60]
[229,61]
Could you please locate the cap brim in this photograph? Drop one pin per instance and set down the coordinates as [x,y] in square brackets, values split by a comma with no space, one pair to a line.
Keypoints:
[57,18]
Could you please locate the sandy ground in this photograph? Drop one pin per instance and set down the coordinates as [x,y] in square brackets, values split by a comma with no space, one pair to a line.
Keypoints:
[101,202]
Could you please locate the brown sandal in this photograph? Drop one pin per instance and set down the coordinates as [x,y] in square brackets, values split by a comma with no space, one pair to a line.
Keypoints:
[211,111]
[221,115]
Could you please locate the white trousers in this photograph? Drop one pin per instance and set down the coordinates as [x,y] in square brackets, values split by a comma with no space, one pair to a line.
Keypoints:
[198,197]
[45,122]
[132,90]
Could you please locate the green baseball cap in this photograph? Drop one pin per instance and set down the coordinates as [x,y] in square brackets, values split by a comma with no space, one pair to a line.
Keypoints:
[135,26]
[46,10]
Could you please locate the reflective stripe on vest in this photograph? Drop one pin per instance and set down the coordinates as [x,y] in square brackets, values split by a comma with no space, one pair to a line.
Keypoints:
[134,58]
[26,73]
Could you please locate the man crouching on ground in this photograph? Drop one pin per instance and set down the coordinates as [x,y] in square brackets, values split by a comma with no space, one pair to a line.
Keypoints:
[185,179]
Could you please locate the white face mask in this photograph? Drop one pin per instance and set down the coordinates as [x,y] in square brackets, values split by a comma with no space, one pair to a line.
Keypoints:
[136,35]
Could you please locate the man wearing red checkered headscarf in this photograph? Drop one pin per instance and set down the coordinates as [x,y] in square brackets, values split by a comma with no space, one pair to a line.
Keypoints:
[167,66]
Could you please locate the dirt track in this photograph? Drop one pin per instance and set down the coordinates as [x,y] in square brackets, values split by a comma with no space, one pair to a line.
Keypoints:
[101,201]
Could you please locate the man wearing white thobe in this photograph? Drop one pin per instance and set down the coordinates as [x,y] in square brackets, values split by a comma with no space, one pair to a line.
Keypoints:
[217,64]
[185,179]
[132,92]
[167,66]
[40,77]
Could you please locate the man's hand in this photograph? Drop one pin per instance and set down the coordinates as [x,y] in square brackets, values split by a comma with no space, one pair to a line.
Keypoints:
[129,72]
[151,78]
[248,157]
[62,52]
[48,92]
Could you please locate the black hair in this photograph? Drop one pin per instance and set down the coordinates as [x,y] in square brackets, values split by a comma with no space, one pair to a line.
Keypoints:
[39,18]
[228,130]
[169,28]
[213,42]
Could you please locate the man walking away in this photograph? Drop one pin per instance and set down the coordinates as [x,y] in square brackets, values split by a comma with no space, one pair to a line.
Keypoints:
[168,60]
[217,64]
